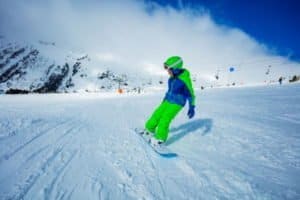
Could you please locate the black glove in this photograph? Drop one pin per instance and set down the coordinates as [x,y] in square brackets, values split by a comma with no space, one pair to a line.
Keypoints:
[191,112]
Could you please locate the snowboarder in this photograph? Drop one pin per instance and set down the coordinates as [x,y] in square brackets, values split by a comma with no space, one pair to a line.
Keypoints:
[180,90]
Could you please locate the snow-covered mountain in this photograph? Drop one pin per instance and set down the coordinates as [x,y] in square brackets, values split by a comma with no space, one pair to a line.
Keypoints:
[46,68]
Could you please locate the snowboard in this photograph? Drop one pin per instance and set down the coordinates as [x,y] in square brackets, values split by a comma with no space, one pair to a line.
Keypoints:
[161,150]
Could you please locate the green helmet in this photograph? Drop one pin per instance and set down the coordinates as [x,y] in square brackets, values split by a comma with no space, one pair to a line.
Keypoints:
[174,62]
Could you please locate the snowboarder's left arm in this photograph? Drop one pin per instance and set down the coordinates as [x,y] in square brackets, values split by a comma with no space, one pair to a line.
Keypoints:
[191,99]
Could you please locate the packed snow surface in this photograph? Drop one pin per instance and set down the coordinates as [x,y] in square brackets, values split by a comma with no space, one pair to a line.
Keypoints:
[243,143]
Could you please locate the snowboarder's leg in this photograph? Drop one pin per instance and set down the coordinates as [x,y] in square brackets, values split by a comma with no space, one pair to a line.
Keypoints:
[170,111]
[153,121]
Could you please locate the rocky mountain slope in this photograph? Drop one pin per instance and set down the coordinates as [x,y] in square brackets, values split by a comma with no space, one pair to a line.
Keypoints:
[44,68]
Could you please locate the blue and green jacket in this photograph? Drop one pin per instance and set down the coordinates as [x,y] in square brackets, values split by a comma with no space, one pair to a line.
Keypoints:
[180,88]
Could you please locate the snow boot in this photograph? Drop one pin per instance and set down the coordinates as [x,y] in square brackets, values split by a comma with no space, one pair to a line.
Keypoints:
[156,142]
[147,135]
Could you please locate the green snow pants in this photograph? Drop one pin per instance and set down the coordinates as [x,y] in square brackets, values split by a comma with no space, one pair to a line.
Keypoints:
[161,118]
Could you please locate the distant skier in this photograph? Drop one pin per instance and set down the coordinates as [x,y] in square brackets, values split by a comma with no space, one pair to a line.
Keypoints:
[280,80]
[180,90]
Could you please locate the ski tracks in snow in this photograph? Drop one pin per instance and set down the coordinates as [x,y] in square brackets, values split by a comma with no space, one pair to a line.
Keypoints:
[42,160]
[86,150]
[48,130]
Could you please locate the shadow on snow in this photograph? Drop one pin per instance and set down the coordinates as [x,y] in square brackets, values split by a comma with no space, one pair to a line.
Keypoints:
[184,129]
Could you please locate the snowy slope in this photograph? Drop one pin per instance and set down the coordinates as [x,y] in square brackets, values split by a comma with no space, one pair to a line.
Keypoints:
[244,143]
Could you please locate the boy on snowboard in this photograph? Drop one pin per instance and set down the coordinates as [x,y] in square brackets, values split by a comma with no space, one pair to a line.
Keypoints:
[180,90]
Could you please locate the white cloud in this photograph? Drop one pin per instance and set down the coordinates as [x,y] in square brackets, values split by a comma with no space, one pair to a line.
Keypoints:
[107,57]
[137,36]
[153,69]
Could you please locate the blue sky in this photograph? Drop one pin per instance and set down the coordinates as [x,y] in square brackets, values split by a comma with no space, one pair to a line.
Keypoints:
[272,22]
